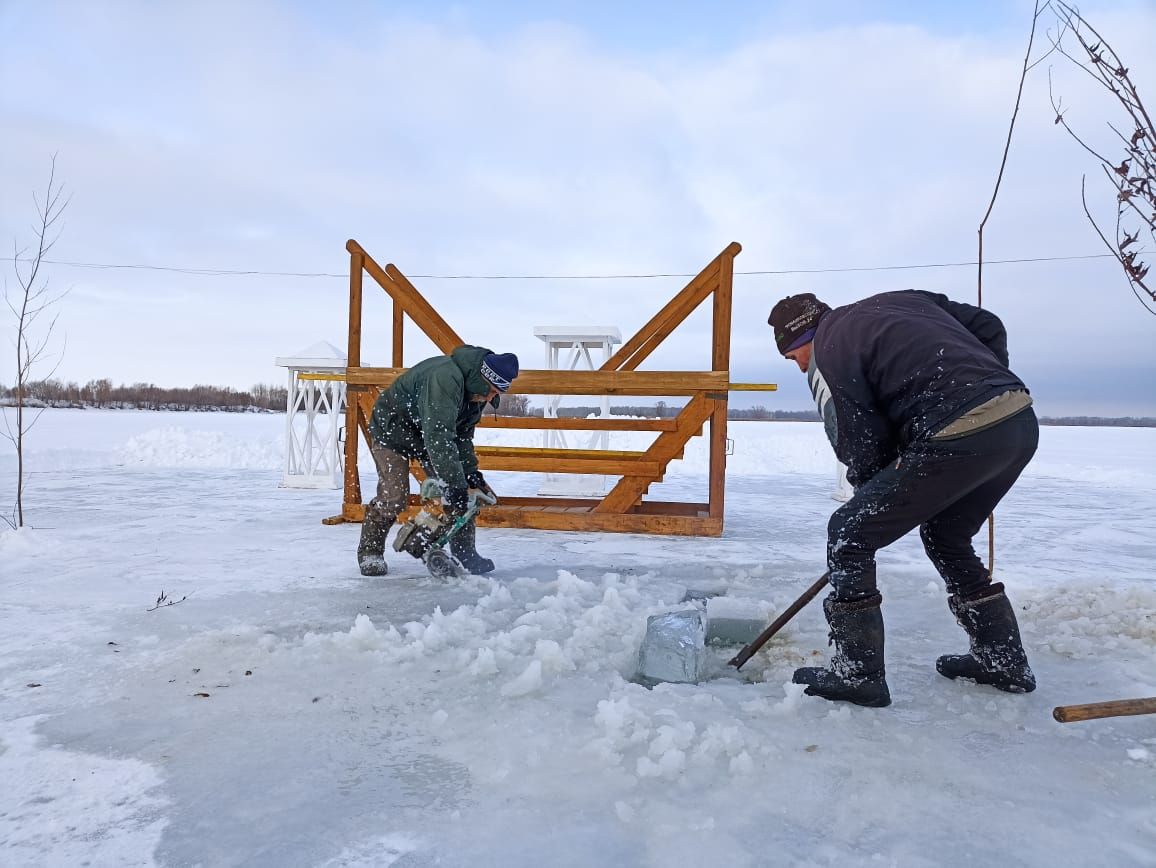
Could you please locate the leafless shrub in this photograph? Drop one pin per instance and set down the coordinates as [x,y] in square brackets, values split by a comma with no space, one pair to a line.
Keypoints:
[35,307]
[1131,172]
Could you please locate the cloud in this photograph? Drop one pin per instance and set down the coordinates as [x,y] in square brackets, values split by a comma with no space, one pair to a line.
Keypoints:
[255,135]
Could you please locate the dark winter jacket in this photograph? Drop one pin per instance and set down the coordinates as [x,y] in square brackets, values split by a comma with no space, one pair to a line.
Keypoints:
[427,413]
[896,368]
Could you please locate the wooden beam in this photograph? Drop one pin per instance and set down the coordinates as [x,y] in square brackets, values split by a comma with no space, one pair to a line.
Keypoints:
[351,478]
[664,449]
[720,361]
[675,525]
[754,387]
[398,334]
[573,422]
[574,519]
[537,423]
[603,467]
[422,313]
[413,302]
[632,353]
[540,382]
[547,452]
[366,400]
[666,320]
[653,507]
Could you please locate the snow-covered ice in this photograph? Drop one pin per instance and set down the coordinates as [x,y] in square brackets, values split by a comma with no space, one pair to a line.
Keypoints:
[290,712]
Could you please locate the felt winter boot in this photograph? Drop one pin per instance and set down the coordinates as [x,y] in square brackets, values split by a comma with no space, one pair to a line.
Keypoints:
[997,655]
[855,673]
[463,545]
[371,547]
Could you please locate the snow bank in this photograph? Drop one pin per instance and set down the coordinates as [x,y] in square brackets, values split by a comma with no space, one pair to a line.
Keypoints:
[22,541]
[180,447]
[67,439]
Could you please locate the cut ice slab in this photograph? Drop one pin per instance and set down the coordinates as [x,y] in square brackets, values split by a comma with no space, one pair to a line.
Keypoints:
[674,648]
[732,621]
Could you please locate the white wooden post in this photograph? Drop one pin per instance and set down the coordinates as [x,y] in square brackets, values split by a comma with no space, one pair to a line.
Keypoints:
[314,411]
[576,348]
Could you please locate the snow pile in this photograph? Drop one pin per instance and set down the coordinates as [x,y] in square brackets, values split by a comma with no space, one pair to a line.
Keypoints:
[21,541]
[523,640]
[180,447]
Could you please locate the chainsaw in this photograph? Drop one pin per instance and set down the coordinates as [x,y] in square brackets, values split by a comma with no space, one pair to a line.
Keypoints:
[427,535]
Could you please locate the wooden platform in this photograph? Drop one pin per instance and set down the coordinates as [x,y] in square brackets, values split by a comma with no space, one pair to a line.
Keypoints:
[623,509]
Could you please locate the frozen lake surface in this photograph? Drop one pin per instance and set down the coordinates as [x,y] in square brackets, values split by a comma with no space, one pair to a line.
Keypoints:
[405,721]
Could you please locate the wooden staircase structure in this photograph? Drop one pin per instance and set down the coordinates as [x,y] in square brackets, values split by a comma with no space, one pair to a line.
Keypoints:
[623,508]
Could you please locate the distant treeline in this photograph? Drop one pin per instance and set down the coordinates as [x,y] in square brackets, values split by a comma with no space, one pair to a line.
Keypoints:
[267,398]
[146,396]
[1101,421]
[757,413]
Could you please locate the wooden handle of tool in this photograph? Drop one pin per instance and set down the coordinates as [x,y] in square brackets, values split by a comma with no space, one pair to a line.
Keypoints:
[753,648]
[1118,708]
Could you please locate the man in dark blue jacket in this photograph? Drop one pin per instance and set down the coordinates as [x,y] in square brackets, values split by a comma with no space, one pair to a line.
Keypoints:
[918,401]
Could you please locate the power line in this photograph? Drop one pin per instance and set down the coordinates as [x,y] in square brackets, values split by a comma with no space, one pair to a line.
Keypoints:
[232,272]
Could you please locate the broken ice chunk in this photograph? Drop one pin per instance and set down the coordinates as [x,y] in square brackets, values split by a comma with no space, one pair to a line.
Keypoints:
[701,595]
[673,648]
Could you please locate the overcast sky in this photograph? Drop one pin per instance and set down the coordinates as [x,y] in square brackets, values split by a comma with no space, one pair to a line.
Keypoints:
[555,138]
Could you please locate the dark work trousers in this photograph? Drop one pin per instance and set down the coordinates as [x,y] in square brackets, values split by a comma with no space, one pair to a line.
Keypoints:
[946,488]
[392,486]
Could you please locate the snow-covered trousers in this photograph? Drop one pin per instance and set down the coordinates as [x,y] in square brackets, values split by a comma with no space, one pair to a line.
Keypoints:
[392,487]
[946,488]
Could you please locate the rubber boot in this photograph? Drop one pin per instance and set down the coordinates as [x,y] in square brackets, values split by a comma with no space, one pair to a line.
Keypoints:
[371,547]
[997,655]
[463,545]
[855,673]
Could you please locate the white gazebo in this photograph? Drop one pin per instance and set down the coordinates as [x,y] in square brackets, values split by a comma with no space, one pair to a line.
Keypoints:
[314,413]
[574,348]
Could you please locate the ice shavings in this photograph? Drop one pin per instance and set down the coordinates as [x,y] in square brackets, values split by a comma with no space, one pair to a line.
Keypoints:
[641,732]
[529,681]
[513,630]
[1084,620]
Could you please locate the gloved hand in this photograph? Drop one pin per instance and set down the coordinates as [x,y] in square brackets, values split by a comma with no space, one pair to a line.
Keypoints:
[457,500]
[476,480]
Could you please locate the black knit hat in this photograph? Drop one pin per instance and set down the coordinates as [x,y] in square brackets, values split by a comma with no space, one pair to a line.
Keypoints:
[795,319]
[501,369]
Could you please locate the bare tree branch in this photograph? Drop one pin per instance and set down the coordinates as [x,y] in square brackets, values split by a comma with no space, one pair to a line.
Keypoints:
[1131,177]
[1007,144]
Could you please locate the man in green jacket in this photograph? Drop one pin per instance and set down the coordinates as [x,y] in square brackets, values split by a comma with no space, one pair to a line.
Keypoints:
[429,414]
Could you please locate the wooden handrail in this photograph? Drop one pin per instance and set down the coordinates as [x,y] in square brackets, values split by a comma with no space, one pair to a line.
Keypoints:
[572,423]
[551,452]
[542,382]
[731,387]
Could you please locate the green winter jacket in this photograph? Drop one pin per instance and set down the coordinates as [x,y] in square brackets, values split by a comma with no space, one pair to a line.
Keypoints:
[427,413]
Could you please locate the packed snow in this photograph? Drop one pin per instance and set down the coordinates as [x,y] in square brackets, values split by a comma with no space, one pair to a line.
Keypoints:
[287,711]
